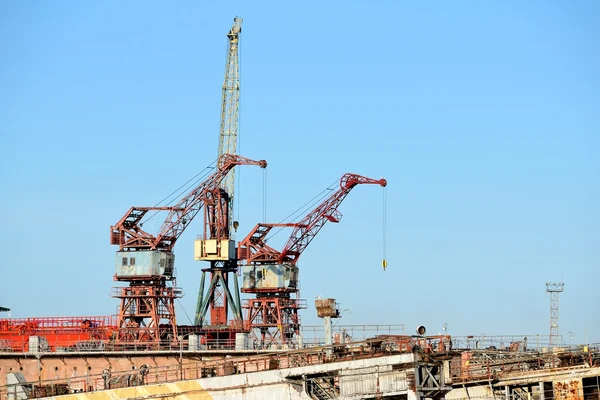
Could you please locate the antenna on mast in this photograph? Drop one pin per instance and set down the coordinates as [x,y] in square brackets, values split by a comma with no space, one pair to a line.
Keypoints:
[554,289]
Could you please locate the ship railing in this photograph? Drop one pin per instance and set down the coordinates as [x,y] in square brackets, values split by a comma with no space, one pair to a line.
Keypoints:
[314,335]
[182,369]
[489,364]
[508,342]
[49,323]
[479,367]
[95,339]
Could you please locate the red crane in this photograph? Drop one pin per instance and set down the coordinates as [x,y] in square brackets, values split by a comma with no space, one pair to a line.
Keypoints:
[128,233]
[146,261]
[273,275]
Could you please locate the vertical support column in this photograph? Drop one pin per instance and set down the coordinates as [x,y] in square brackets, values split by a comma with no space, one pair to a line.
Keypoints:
[416,395]
[199,320]
[218,300]
[328,337]
[237,304]
[327,309]
[412,394]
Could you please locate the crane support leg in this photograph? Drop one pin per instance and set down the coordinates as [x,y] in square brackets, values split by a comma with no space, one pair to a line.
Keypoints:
[273,319]
[146,315]
[198,320]
[218,298]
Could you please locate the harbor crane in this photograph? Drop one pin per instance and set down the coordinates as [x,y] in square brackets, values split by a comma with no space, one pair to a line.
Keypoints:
[230,101]
[147,261]
[219,300]
[272,275]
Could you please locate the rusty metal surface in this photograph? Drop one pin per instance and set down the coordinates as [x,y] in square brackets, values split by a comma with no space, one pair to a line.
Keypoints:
[568,390]
[149,263]
[478,365]
[326,308]
[264,278]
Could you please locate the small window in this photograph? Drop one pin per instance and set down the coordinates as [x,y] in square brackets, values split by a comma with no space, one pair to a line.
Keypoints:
[132,261]
[124,261]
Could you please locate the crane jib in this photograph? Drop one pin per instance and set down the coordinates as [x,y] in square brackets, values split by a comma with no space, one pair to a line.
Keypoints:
[127,233]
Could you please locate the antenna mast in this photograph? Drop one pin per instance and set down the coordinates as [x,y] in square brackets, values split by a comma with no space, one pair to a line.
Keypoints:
[554,289]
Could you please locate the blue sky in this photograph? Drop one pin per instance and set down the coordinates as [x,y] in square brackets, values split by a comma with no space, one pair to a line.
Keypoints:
[483,117]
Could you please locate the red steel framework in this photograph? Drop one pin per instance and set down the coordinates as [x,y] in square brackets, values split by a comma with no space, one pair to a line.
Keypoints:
[147,311]
[219,298]
[273,318]
[70,333]
[273,315]
[142,309]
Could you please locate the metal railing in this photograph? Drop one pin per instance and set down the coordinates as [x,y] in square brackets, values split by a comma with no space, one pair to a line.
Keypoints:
[84,341]
[506,342]
[170,373]
[489,364]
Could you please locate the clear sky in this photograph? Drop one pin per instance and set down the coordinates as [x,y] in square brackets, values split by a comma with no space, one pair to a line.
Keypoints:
[484,117]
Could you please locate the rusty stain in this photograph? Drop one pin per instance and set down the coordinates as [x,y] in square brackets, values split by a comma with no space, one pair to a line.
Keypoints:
[568,390]
[411,380]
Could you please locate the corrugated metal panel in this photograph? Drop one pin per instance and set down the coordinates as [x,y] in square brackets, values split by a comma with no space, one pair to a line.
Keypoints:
[358,385]
[395,381]
[364,381]
[367,370]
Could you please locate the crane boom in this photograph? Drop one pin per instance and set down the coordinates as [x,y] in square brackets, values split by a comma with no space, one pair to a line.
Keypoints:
[273,276]
[311,224]
[230,108]
[128,233]
[253,248]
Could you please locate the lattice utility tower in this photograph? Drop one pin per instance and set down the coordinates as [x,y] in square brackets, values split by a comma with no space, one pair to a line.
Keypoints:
[554,289]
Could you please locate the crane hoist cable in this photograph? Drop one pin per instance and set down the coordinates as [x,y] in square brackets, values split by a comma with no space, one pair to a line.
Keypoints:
[264,195]
[129,236]
[183,309]
[236,182]
[184,188]
[254,249]
[310,204]
[384,227]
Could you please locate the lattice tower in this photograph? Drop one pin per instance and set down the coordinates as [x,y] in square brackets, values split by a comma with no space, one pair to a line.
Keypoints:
[554,289]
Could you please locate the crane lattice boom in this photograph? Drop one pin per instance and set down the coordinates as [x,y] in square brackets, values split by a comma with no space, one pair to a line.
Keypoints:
[312,223]
[253,248]
[128,232]
[230,107]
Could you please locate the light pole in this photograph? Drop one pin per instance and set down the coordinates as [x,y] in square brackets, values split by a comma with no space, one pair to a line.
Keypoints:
[571,336]
[180,337]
